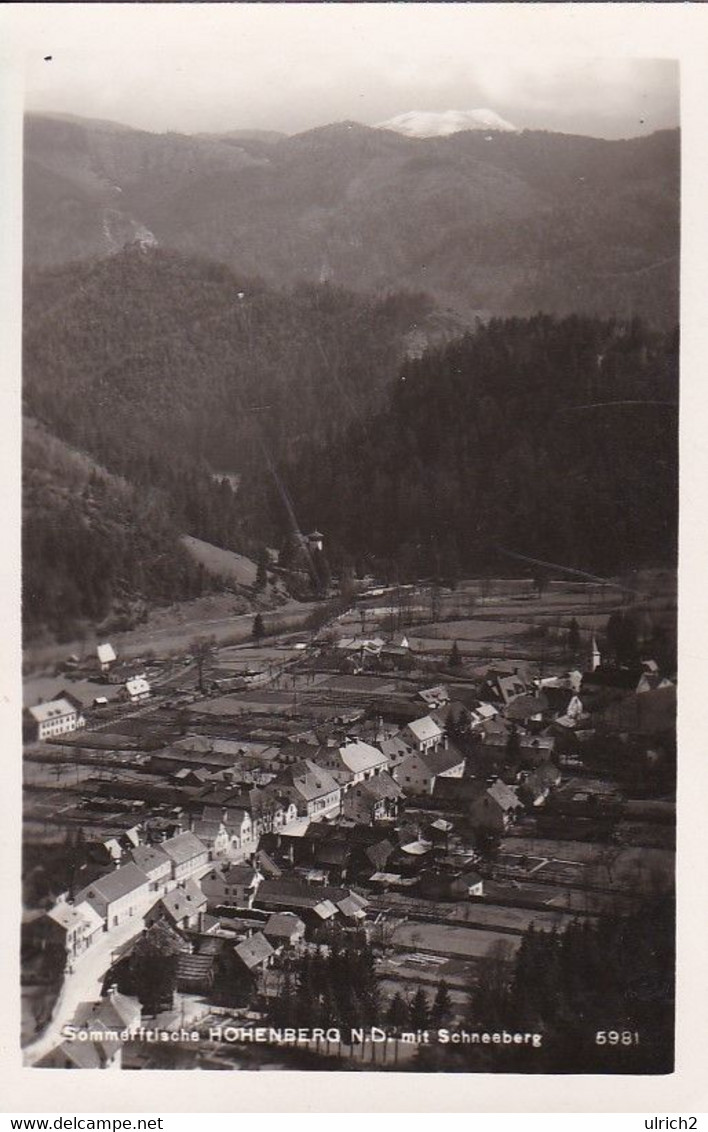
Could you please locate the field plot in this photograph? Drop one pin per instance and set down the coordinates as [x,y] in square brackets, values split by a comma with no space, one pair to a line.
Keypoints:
[512,920]
[446,939]
[579,863]
[469,630]
[224,563]
[253,656]
[365,684]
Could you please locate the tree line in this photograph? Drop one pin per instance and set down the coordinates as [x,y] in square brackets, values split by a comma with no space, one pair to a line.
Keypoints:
[551,438]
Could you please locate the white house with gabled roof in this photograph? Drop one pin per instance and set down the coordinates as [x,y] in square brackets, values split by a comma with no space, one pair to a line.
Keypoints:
[425,734]
[58,717]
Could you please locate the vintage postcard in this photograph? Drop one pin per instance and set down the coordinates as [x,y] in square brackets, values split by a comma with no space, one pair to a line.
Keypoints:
[352,354]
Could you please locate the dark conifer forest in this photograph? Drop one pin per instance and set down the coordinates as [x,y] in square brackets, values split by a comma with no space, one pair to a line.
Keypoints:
[556,439]
[177,377]
[233,412]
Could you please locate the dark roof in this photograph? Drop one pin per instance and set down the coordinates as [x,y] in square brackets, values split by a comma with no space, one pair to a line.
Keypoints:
[547,773]
[379,854]
[443,759]
[194,969]
[298,894]
[309,780]
[149,857]
[267,865]
[643,712]
[283,925]
[623,678]
[470,876]
[333,853]
[458,789]
[558,698]
[523,707]
[241,874]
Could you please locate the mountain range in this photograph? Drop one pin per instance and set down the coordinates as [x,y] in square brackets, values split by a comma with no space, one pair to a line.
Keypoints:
[443,123]
[226,336]
[486,221]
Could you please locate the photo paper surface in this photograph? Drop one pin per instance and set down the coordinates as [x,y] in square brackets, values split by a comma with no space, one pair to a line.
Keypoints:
[350,510]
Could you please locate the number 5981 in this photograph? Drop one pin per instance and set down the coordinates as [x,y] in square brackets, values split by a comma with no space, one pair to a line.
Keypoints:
[617,1038]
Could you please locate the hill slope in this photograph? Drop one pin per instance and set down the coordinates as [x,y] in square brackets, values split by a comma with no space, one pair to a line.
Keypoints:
[94,545]
[500,222]
[555,440]
[171,373]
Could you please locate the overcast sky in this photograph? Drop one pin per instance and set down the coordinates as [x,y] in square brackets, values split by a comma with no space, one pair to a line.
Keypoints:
[291,67]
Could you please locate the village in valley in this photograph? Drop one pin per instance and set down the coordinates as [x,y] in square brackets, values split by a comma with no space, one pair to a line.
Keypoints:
[353,825]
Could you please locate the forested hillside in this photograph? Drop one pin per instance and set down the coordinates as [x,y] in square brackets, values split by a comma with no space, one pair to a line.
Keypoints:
[172,373]
[94,545]
[551,438]
[555,439]
[484,221]
[171,369]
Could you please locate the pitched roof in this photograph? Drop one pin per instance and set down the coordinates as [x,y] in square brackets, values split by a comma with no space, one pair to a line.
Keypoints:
[284,925]
[359,756]
[524,706]
[116,1011]
[241,874]
[548,773]
[119,883]
[325,909]
[441,825]
[229,815]
[458,789]
[69,916]
[208,830]
[194,968]
[254,950]
[437,762]
[538,742]
[84,1055]
[309,780]
[267,865]
[198,772]
[425,728]
[504,795]
[299,894]
[395,748]
[436,696]
[351,908]
[106,653]
[510,686]
[138,686]
[380,786]
[181,902]
[183,848]
[470,876]
[55,709]
[148,857]
[379,854]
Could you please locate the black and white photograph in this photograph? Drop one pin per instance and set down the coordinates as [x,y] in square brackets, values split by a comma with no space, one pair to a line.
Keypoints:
[350,500]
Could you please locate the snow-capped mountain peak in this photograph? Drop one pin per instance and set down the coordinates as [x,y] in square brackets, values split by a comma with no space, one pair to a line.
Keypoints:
[442,123]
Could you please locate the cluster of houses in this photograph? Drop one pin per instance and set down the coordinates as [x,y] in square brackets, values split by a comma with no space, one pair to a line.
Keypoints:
[273,842]
[135,888]
[66,711]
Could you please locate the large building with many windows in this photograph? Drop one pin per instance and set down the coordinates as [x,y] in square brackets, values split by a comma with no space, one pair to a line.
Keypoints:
[58,717]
